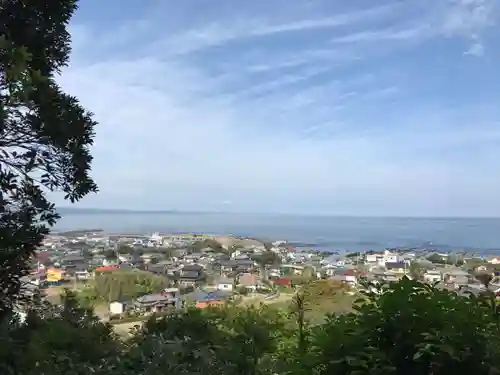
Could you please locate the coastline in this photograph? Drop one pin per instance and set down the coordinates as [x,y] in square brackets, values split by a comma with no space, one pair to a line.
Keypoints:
[228,240]
[332,234]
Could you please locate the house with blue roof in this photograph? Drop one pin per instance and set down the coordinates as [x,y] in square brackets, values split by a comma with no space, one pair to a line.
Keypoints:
[203,299]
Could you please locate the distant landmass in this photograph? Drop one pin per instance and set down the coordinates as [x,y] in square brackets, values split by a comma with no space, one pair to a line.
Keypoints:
[94,211]
[77,232]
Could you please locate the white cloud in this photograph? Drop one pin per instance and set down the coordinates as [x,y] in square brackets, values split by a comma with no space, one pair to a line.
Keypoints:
[468,17]
[476,49]
[417,32]
[285,130]
[218,33]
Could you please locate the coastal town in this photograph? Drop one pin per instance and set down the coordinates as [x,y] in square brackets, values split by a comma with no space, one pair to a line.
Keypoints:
[128,277]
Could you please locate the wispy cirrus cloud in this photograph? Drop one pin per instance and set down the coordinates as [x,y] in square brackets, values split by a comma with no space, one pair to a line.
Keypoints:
[225,31]
[469,17]
[319,108]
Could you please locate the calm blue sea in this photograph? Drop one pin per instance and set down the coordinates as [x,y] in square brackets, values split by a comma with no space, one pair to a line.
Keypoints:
[326,233]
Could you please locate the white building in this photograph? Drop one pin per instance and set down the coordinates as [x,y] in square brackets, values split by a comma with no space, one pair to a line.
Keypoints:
[156,237]
[340,263]
[235,254]
[278,243]
[225,285]
[391,257]
[432,276]
[494,260]
[374,258]
[109,262]
[116,308]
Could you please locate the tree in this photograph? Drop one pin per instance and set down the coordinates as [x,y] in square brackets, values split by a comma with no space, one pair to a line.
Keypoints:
[110,254]
[179,343]
[167,252]
[435,258]
[410,328]
[111,286]
[45,134]
[484,278]
[254,336]
[268,246]
[267,258]
[309,273]
[473,263]
[416,270]
[210,243]
[138,252]
[232,249]
[125,249]
[405,328]
[67,339]
[230,341]
[325,296]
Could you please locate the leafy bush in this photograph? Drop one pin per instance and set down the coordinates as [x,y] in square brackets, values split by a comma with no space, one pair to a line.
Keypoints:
[242,290]
[111,286]
[410,328]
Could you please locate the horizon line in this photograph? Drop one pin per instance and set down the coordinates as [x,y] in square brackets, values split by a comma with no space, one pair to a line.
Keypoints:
[177,211]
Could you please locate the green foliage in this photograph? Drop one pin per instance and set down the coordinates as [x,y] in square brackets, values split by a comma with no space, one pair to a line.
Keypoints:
[309,273]
[412,328]
[438,259]
[124,284]
[56,340]
[45,134]
[229,341]
[242,290]
[450,259]
[416,270]
[267,258]
[473,263]
[484,278]
[166,252]
[326,296]
[134,317]
[210,243]
[110,254]
[125,249]
[268,246]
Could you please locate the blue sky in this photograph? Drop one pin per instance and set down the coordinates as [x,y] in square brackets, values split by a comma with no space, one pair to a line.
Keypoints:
[310,106]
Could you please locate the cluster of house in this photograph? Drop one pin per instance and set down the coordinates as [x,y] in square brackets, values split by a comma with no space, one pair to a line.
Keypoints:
[170,298]
[390,266]
[201,293]
[79,257]
[73,256]
[239,271]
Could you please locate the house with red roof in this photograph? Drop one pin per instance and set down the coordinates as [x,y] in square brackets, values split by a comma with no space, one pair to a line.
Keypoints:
[110,268]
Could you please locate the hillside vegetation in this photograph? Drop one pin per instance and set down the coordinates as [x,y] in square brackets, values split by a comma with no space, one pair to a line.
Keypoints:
[321,297]
[411,328]
[121,284]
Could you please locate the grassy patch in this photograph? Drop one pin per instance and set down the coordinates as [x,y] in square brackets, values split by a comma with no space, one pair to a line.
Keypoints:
[322,297]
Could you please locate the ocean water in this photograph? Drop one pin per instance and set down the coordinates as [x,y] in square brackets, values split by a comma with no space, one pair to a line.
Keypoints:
[320,232]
